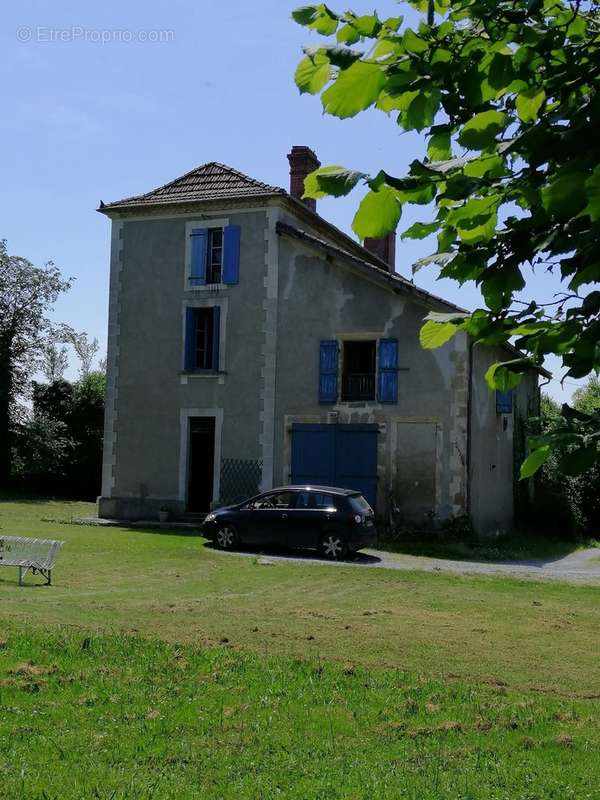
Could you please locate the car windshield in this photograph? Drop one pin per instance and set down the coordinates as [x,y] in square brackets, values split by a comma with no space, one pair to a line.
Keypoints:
[359,504]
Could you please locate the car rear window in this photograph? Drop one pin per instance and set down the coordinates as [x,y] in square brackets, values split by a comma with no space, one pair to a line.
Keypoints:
[359,504]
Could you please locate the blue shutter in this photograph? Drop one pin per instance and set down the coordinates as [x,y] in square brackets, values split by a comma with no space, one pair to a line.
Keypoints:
[504,402]
[387,379]
[199,251]
[190,340]
[328,368]
[231,254]
[216,330]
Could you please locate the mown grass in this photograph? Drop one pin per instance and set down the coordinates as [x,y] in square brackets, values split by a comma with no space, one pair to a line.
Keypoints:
[526,633]
[123,717]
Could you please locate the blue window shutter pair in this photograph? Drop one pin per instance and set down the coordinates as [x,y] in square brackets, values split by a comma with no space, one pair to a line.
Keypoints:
[231,254]
[199,255]
[387,379]
[504,402]
[191,322]
[328,369]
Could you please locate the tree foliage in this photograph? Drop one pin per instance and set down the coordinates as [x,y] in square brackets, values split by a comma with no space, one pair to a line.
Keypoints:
[58,448]
[27,294]
[505,93]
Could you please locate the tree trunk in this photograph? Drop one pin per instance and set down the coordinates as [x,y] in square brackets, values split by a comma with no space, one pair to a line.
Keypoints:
[6,386]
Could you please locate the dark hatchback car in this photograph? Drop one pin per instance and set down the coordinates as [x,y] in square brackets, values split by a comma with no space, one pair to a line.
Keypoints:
[336,522]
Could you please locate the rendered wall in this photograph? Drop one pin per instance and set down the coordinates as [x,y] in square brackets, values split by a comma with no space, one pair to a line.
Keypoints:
[493,467]
[147,391]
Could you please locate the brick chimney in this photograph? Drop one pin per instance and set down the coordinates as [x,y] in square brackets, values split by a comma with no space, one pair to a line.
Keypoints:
[302,161]
[384,248]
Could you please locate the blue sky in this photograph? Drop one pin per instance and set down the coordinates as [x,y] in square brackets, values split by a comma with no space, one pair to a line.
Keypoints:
[89,120]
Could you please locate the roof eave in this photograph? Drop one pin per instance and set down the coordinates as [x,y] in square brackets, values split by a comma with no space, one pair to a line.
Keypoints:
[124,208]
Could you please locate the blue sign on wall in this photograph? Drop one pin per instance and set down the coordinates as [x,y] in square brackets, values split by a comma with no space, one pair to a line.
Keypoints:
[504,402]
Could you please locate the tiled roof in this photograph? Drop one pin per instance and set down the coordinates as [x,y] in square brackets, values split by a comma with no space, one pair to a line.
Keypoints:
[212,181]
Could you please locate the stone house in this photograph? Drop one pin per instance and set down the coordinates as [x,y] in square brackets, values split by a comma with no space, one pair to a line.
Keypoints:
[253,344]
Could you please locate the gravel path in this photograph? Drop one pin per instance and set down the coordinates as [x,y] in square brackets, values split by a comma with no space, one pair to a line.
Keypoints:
[579,566]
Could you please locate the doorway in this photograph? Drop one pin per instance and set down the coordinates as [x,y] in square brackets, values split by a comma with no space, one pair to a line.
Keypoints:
[201,462]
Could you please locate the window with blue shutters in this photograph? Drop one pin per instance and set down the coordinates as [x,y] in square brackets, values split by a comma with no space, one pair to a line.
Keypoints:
[387,378]
[214,256]
[328,369]
[202,333]
[504,401]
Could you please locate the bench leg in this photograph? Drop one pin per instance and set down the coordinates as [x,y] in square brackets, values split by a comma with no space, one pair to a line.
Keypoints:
[20,576]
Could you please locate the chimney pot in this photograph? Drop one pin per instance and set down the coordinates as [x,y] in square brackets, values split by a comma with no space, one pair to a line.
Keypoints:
[302,160]
[384,248]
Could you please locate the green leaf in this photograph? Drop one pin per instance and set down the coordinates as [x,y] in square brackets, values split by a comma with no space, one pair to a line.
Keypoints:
[422,110]
[529,103]
[579,460]
[481,131]
[355,89]
[534,461]
[312,73]
[505,375]
[304,15]
[367,25]
[565,196]
[334,180]
[476,220]
[348,34]
[378,214]
[592,189]
[439,148]
[420,230]
[490,165]
[414,43]
[319,18]
[501,72]
[435,334]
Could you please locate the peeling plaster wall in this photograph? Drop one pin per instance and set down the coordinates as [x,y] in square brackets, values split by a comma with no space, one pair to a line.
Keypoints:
[493,467]
[422,441]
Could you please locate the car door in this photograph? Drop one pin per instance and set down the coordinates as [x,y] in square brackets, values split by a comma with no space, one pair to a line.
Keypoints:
[305,521]
[269,518]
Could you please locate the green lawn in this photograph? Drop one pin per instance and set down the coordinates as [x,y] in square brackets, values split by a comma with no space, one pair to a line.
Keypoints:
[248,680]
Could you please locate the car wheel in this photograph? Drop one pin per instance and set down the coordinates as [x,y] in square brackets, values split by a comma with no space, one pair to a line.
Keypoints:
[332,546]
[226,537]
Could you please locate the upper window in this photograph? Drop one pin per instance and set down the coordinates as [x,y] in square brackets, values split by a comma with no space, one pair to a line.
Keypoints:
[358,377]
[214,256]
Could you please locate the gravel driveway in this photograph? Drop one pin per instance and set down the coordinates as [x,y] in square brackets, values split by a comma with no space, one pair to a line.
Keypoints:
[580,566]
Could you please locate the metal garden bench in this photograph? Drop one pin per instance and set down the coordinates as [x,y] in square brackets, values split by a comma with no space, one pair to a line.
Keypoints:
[37,555]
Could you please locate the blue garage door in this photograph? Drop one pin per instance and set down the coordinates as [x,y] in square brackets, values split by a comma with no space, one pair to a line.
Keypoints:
[336,455]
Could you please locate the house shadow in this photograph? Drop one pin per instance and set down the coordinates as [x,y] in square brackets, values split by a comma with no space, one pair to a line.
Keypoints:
[190,533]
[526,551]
